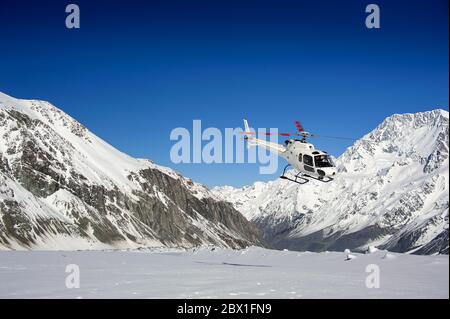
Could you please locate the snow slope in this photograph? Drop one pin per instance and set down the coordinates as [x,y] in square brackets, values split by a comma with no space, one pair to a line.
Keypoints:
[392,191]
[221,273]
[62,187]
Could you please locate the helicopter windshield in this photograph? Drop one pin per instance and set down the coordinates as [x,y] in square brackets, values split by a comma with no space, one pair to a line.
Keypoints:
[323,161]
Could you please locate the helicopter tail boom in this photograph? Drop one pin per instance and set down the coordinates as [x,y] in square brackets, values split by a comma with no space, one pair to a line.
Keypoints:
[253,141]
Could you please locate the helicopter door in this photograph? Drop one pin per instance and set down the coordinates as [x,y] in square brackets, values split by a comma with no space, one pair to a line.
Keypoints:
[309,164]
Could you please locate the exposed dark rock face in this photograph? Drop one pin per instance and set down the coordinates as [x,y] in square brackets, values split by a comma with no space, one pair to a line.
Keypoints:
[63,188]
[439,245]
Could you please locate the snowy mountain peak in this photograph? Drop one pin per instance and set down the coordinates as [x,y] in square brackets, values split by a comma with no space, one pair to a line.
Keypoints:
[401,139]
[400,126]
[63,187]
[42,111]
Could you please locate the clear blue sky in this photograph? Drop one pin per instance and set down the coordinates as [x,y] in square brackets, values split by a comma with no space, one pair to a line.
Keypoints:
[137,69]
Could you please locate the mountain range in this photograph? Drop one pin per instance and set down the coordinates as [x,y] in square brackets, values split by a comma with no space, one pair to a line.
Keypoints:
[392,192]
[62,187]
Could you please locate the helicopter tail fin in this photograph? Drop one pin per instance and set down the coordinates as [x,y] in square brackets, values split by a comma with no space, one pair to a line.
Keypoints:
[248,134]
[246,127]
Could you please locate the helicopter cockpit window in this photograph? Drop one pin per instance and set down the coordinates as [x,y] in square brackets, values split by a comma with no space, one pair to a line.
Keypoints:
[323,161]
[300,157]
[308,160]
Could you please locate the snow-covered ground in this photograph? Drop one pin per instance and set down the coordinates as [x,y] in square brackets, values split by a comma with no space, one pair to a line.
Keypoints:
[205,273]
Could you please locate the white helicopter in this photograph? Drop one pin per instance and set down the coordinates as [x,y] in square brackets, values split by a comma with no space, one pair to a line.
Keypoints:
[303,156]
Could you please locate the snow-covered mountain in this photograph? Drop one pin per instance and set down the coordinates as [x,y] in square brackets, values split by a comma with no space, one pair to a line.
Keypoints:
[62,187]
[392,191]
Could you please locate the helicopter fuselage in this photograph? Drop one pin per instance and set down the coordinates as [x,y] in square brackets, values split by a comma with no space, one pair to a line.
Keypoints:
[305,158]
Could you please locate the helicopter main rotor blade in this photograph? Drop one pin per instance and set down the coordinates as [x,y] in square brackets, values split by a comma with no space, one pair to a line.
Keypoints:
[279,134]
[299,126]
[334,137]
[267,134]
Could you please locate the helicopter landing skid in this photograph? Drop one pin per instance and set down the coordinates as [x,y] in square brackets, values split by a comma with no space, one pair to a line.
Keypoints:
[329,179]
[298,179]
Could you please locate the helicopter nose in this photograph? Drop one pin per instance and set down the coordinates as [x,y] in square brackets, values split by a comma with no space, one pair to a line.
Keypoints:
[331,172]
[327,171]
